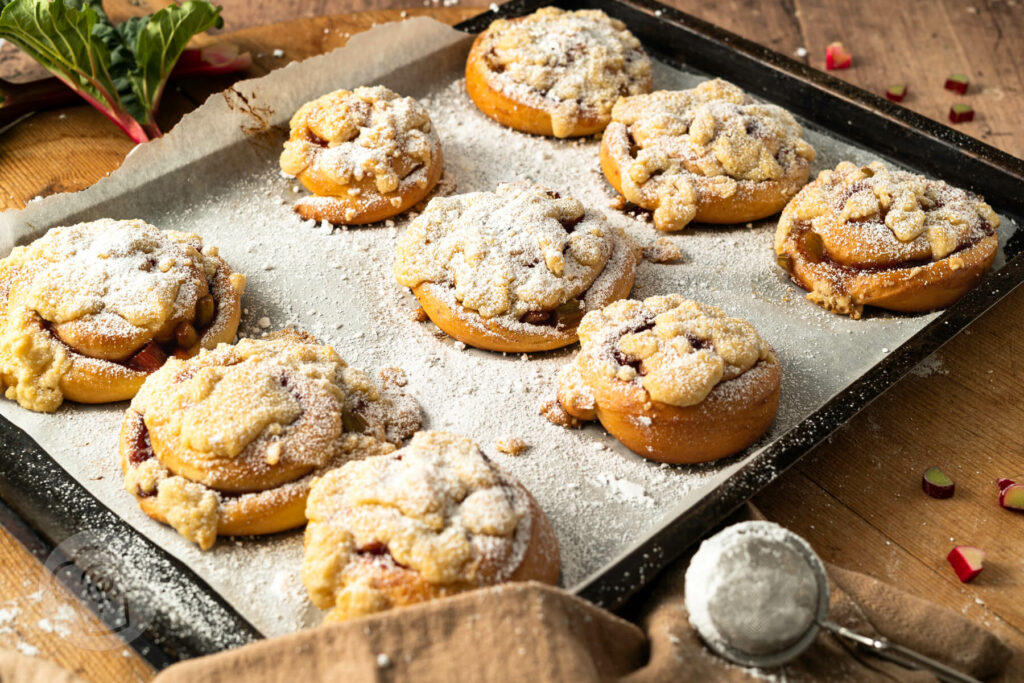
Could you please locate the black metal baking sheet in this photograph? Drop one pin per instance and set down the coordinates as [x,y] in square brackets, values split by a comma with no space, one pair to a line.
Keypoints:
[47,509]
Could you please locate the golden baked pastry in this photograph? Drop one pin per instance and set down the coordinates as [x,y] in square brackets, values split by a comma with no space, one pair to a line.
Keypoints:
[513,269]
[365,154]
[555,72]
[710,154]
[673,380]
[431,520]
[229,442]
[89,310]
[874,236]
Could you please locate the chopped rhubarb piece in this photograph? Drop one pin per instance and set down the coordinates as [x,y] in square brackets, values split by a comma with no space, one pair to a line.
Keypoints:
[959,113]
[185,335]
[937,484]
[836,57]
[957,82]
[1003,482]
[1012,497]
[205,308]
[150,359]
[966,561]
[896,92]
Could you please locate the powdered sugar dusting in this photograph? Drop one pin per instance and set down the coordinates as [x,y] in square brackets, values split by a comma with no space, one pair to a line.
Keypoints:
[625,490]
[932,365]
[571,64]
[747,576]
[344,138]
[437,507]
[339,286]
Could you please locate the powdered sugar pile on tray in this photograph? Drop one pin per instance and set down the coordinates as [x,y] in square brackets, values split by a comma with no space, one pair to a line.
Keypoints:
[338,285]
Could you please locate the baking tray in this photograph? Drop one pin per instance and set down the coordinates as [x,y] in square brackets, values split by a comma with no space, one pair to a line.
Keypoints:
[50,520]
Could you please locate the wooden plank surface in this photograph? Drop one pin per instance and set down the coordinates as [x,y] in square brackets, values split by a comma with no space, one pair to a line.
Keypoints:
[857,499]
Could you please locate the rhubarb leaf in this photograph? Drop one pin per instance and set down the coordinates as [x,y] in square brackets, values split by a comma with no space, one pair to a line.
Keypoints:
[119,40]
[61,39]
[121,70]
[158,44]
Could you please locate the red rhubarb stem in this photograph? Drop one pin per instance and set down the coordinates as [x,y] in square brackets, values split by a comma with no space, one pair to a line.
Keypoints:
[130,126]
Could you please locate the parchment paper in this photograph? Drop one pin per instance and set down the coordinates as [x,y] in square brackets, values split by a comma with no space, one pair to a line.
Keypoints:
[216,174]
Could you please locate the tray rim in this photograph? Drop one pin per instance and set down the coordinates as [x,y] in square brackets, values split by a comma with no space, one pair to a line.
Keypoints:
[612,585]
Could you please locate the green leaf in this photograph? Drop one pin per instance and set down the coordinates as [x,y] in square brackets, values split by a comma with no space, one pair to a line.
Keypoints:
[121,40]
[61,39]
[160,42]
[121,70]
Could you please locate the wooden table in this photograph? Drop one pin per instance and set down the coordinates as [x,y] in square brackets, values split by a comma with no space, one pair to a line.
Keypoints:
[857,498]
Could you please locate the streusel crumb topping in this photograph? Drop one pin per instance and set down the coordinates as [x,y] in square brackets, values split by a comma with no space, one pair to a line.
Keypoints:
[369,132]
[868,216]
[713,139]
[570,64]
[518,249]
[438,507]
[285,408]
[281,399]
[105,289]
[677,349]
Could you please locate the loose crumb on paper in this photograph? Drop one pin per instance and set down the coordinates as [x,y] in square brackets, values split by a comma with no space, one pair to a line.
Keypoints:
[511,445]
[663,250]
[556,414]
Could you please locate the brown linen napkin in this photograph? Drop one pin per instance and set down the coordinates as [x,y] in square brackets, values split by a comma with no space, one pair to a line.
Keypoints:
[535,633]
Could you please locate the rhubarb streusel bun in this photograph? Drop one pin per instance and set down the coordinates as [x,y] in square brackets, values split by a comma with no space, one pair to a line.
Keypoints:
[431,520]
[229,442]
[710,154]
[555,72]
[366,155]
[874,236]
[88,311]
[673,380]
[514,269]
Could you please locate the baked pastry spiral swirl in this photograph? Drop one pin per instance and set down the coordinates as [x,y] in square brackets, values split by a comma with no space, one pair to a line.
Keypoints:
[672,379]
[710,154]
[229,442]
[873,236]
[432,519]
[365,154]
[513,269]
[555,72]
[88,311]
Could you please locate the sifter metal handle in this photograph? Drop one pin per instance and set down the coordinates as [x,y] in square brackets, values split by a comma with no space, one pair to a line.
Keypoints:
[899,654]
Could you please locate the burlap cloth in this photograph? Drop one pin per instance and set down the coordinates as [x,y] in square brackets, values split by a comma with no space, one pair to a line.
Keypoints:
[533,633]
